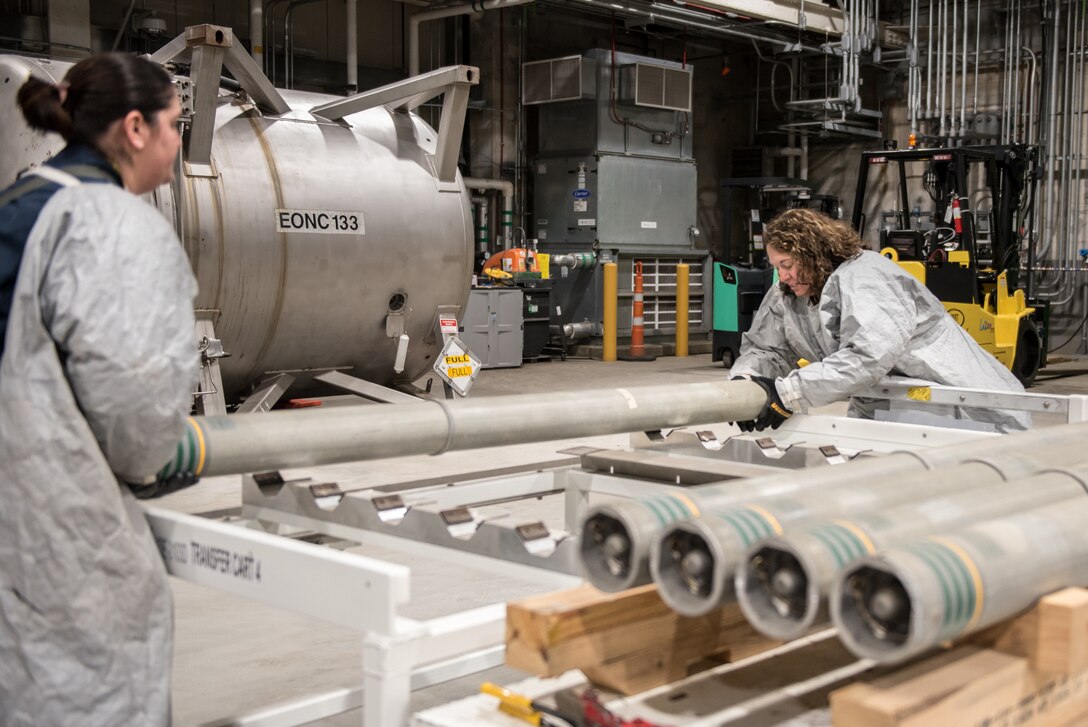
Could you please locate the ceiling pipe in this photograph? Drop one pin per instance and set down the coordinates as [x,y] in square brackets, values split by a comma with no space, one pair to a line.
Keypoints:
[414,22]
[256,31]
[352,47]
[700,23]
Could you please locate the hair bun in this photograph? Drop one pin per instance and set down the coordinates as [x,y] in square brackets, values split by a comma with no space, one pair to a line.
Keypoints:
[42,104]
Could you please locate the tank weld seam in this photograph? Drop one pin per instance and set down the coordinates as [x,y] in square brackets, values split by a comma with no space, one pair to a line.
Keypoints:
[451,427]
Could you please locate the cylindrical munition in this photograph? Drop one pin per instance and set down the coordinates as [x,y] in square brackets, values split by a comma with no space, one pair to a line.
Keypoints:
[220,445]
[616,536]
[783,582]
[899,603]
[694,561]
[630,527]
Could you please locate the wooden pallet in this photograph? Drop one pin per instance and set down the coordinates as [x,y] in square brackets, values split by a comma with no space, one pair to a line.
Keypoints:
[1031,671]
[629,641]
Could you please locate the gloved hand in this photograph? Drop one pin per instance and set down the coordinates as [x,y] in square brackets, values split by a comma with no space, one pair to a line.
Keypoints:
[774,411]
[164,485]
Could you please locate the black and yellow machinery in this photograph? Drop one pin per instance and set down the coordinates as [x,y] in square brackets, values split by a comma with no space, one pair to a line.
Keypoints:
[959,219]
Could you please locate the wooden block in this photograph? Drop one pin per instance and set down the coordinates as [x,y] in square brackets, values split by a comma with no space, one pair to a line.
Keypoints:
[629,641]
[1053,636]
[966,686]
[1034,673]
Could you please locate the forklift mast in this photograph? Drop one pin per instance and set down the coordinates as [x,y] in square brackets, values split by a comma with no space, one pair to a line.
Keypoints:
[968,258]
[1009,177]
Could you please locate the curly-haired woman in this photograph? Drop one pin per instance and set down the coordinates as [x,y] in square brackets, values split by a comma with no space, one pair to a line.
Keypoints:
[857,317]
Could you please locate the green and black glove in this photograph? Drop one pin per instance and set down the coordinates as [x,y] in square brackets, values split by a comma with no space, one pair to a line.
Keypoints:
[164,485]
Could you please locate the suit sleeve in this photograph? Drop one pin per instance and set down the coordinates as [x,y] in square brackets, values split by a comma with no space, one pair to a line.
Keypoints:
[872,315]
[764,350]
[117,299]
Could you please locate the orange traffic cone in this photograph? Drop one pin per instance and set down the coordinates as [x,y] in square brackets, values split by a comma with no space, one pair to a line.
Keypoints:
[637,351]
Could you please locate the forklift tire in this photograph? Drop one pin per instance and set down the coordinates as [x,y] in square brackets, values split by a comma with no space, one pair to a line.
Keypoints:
[727,358]
[1029,352]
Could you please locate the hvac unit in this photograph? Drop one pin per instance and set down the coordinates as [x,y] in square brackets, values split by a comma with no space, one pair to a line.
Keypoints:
[654,86]
[571,78]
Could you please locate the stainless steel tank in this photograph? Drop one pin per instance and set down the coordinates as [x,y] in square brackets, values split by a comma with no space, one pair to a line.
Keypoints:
[304,234]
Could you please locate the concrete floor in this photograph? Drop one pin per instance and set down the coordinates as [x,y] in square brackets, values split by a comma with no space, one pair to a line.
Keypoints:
[234,657]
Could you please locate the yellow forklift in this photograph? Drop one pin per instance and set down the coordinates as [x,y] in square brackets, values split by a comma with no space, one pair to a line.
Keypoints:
[959,219]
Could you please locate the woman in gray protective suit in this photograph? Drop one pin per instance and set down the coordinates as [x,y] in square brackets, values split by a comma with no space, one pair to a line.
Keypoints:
[857,317]
[96,374]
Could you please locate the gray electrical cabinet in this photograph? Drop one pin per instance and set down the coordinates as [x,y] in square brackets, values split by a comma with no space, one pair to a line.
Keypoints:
[492,326]
[627,202]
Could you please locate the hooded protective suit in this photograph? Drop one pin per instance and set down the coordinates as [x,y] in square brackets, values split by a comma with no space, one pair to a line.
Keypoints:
[95,379]
[873,319]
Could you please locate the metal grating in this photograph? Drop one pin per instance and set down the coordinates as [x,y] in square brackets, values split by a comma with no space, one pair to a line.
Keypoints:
[659,292]
[677,90]
[536,82]
[649,85]
[657,86]
[556,79]
[566,78]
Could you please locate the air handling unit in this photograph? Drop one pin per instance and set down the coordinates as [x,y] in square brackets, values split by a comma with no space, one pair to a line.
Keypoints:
[614,173]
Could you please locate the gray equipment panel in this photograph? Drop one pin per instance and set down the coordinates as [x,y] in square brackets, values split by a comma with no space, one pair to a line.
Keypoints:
[492,326]
[627,202]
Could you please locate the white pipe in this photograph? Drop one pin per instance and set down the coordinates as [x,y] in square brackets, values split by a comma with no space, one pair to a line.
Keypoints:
[1033,83]
[978,32]
[415,20]
[915,73]
[952,72]
[1052,103]
[507,189]
[256,30]
[1006,79]
[804,157]
[1018,78]
[929,63]
[943,67]
[353,47]
[963,72]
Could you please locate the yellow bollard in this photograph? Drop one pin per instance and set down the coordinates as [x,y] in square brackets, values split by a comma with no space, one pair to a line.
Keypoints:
[611,276]
[682,272]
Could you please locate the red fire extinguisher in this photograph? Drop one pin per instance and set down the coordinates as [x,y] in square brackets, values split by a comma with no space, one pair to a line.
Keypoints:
[957,222]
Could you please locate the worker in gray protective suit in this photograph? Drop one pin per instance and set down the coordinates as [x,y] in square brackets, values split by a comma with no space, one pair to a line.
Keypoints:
[96,375]
[856,316]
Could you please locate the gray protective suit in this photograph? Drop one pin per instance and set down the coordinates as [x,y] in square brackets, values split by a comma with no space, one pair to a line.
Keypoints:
[873,319]
[96,379]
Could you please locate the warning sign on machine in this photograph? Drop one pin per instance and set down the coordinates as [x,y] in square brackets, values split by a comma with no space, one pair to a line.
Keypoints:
[457,366]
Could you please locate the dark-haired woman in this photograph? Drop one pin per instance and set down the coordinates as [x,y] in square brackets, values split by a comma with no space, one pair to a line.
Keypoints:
[857,317]
[96,373]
